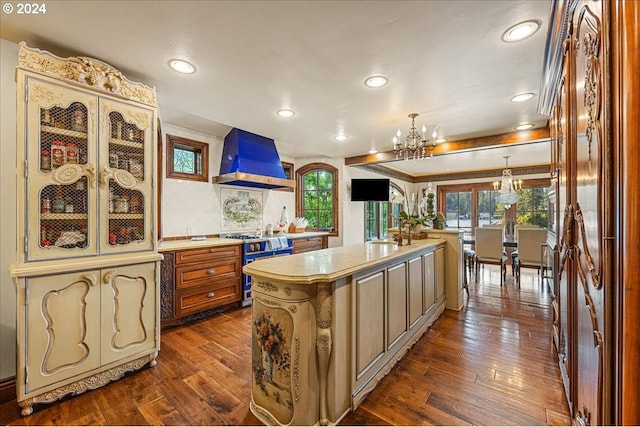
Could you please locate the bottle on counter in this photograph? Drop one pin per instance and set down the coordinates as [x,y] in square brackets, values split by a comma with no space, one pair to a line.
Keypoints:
[284,219]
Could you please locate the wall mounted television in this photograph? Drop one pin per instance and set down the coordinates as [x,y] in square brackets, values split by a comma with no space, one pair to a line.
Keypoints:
[370,190]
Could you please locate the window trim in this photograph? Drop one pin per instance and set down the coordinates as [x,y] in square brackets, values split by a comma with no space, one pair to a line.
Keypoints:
[303,170]
[474,187]
[202,148]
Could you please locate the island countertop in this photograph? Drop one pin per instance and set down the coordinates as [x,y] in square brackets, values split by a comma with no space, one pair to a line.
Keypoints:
[331,264]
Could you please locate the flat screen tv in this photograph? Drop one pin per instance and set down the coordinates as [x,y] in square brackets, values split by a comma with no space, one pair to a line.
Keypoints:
[370,190]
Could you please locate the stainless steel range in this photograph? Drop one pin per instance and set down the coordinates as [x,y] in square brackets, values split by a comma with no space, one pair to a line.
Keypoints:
[255,248]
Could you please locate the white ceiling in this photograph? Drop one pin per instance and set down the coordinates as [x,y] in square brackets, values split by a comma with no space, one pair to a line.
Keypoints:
[444,60]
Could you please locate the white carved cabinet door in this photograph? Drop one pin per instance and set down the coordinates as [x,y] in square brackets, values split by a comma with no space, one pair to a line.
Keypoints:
[128,307]
[61,318]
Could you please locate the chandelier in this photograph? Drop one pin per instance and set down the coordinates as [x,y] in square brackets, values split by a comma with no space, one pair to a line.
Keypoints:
[507,187]
[415,145]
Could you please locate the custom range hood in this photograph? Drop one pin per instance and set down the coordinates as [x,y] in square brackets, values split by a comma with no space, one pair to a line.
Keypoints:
[251,160]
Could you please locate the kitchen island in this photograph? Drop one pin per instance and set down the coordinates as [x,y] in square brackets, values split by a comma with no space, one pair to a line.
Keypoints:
[328,325]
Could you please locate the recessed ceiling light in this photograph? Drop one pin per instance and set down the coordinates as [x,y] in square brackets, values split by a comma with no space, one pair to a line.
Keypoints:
[440,140]
[521,97]
[375,81]
[182,67]
[341,137]
[286,113]
[521,31]
[373,151]
[524,126]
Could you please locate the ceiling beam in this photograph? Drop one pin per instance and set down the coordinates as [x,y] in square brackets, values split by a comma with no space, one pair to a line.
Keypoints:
[450,147]
[456,176]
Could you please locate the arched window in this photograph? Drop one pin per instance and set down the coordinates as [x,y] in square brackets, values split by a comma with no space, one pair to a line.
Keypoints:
[317,197]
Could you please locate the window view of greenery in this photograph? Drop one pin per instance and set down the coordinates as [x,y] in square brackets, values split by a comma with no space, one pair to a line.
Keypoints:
[371,220]
[186,161]
[318,199]
[489,212]
[532,207]
[379,217]
[458,210]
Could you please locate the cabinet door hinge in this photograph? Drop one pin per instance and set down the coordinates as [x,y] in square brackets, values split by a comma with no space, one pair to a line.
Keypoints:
[26,168]
[26,245]
[26,375]
[26,92]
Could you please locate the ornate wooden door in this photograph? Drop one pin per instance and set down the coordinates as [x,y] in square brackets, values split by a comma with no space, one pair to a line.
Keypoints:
[592,213]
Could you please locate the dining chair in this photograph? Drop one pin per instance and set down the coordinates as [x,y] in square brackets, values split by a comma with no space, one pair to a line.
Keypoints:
[514,254]
[529,255]
[489,249]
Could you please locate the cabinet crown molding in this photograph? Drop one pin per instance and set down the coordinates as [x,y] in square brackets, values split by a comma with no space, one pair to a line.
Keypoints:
[85,71]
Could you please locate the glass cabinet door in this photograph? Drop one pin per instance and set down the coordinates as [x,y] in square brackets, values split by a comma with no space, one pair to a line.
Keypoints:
[61,181]
[126,169]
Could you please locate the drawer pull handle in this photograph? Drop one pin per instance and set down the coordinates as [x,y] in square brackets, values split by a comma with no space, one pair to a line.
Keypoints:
[211,251]
[211,294]
[211,271]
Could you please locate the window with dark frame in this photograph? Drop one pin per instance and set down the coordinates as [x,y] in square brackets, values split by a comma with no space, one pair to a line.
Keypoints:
[317,197]
[187,159]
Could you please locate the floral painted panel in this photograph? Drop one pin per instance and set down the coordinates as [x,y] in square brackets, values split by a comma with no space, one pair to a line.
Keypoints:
[241,210]
[271,348]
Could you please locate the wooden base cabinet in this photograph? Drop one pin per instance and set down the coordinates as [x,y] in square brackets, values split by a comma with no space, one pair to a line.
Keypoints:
[198,280]
[76,325]
[308,244]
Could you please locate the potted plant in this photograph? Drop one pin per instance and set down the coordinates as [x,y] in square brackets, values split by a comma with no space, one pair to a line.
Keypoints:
[409,222]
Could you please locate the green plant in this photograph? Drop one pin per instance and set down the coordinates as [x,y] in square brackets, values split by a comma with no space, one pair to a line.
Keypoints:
[439,221]
[411,221]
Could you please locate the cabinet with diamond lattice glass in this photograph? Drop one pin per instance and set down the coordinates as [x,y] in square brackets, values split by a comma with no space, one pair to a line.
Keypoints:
[86,158]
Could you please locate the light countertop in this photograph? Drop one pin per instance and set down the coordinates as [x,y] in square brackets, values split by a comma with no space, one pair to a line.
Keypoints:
[177,245]
[333,263]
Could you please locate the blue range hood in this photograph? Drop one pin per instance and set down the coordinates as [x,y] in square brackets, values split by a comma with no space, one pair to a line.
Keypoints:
[251,160]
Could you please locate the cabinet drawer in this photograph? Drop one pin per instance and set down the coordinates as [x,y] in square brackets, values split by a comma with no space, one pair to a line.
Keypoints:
[307,245]
[207,297]
[207,254]
[204,273]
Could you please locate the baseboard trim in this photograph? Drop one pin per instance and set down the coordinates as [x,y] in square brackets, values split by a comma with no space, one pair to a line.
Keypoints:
[7,389]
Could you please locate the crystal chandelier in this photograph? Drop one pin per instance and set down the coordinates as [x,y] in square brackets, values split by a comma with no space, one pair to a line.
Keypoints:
[415,145]
[507,187]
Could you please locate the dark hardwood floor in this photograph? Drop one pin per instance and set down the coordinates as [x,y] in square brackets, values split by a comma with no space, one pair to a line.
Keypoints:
[492,363]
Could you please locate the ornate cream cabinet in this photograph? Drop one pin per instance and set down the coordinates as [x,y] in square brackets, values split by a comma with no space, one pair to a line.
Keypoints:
[326,329]
[87,267]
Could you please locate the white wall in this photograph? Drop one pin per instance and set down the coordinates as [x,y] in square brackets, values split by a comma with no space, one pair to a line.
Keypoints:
[193,208]
[8,255]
